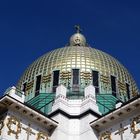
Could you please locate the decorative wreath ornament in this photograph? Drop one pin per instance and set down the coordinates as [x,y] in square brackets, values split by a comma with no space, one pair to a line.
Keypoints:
[42,136]
[13,121]
[134,129]
[1,125]
[105,136]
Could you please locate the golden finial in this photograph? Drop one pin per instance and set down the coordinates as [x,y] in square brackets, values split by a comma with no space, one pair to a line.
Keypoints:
[78,29]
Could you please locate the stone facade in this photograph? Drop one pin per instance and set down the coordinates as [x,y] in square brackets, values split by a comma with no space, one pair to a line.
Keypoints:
[69,119]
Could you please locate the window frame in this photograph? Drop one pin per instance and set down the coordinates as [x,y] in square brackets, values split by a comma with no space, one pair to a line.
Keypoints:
[114,93]
[96,87]
[55,86]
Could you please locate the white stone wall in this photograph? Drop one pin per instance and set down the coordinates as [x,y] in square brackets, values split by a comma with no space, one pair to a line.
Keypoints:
[86,132]
[74,128]
[62,131]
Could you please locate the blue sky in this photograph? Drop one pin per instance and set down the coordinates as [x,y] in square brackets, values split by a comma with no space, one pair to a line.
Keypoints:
[28,29]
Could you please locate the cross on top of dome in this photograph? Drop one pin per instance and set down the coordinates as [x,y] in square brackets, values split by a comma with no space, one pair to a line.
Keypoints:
[78,29]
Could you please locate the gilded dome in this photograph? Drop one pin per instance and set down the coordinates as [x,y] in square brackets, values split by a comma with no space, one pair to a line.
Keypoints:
[80,61]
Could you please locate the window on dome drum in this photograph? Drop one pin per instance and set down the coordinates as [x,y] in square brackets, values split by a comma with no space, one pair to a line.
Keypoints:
[95,80]
[75,80]
[24,87]
[128,90]
[55,79]
[113,85]
[38,82]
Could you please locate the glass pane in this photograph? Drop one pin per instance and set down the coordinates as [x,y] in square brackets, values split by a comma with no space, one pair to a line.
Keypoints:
[56,78]
[38,82]
[24,87]
[95,80]
[75,76]
[113,85]
[128,90]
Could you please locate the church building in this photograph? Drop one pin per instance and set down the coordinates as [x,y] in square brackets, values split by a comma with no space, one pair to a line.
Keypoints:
[75,92]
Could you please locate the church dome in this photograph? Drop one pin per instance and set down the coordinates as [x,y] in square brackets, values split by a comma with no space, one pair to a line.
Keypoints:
[76,66]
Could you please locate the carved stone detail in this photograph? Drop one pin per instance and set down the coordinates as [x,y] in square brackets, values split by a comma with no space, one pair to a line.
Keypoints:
[42,136]
[134,128]
[13,121]
[1,126]
[105,136]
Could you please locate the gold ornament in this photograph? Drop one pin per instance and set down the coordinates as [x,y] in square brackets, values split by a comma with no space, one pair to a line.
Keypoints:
[42,136]
[134,126]
[46,78]
[29,85]
[104,79]
[14,126]
[105,136]
[1,125]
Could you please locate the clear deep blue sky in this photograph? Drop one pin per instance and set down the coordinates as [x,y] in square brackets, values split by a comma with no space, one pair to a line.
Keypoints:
[28,29]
